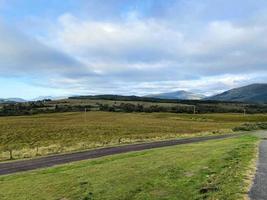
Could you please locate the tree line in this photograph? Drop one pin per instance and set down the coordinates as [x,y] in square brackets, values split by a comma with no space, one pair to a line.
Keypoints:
[38,107]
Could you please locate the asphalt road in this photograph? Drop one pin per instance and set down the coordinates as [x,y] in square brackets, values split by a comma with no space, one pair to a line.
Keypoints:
[49,161]
[259,188]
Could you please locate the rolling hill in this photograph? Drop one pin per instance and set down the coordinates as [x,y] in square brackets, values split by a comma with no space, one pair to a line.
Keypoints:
[255,93]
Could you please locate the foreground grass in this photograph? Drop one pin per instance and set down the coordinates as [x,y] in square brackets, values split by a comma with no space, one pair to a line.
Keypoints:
[209,170]
[28,136]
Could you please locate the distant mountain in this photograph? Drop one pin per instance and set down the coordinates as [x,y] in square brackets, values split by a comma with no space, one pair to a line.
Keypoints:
[181,94]
[14,100]
[40,98]
[18,100]
[255,93]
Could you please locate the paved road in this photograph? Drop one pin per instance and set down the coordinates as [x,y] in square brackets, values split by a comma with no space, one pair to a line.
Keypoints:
[259,188]
[26,165]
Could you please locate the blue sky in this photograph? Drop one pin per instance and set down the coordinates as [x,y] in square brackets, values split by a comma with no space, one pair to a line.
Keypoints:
[71,47]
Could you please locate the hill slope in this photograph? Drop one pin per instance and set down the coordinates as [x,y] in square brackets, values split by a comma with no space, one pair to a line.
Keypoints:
[181,94]
[256,93]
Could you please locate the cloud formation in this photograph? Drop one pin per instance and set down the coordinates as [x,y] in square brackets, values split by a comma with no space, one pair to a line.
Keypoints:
[141,47]
[153,50]
[21,55]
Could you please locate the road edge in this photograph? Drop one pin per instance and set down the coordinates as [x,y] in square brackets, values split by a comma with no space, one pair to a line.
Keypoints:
[38,163]
[251,172]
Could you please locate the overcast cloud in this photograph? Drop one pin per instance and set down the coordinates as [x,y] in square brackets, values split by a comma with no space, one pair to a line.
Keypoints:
[134,47]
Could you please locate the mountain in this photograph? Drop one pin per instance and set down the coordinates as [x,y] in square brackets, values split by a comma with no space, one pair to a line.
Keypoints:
[180,94]
[18,100]
[12,100]
[255,93]
[40,98]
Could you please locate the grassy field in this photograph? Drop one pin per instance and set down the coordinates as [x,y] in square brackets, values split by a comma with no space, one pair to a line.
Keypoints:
[28,136]
[209,170]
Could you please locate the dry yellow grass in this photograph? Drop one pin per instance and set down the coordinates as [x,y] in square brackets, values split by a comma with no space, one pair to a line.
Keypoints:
[44,134]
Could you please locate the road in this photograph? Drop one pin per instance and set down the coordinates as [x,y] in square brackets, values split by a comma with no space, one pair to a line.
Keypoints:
[259,188]
[49,161]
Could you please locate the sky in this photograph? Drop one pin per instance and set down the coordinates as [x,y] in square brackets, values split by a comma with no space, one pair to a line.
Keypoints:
[130,47]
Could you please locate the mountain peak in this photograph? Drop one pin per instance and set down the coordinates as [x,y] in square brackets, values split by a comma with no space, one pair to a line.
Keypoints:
[254,93]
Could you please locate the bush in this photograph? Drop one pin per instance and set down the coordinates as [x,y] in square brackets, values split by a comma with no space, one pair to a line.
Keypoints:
[251,127]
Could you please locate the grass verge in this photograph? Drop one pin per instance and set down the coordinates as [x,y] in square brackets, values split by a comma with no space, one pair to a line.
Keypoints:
[209,170]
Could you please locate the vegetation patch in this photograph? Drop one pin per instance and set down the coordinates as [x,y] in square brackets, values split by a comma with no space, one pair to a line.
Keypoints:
[251,126]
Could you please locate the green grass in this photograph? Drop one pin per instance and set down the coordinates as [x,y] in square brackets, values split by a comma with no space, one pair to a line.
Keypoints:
[44,134]
[208,170]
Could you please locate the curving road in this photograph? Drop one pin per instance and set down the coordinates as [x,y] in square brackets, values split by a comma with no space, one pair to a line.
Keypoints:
[49,161]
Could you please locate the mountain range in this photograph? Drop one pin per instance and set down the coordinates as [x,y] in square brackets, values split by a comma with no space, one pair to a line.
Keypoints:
[20,100]
[254,93]
[40,98]
[180,94]
[8,100]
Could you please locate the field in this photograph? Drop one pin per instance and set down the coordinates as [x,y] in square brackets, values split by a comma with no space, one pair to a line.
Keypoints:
[29,136]
[209,170]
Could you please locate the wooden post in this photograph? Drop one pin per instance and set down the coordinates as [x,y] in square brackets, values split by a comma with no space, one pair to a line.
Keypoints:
[10,154]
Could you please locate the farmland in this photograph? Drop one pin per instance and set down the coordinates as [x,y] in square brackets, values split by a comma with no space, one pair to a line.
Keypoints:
[209,170]
[43,134]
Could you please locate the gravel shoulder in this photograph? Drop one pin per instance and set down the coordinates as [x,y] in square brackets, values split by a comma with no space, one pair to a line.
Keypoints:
[259,188]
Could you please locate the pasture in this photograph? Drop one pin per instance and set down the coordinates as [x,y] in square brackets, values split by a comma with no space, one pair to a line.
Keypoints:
[43,134]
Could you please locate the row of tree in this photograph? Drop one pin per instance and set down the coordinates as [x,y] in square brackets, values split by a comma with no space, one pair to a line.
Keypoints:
[38,108]
[179,108]
[31,108]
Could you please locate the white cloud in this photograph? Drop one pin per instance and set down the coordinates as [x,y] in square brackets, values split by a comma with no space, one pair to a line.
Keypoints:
[132,44]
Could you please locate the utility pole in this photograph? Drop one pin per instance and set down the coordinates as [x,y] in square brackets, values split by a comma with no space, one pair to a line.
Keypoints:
[194,109]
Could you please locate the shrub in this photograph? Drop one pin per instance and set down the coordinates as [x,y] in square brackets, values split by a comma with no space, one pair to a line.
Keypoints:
[251,126]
